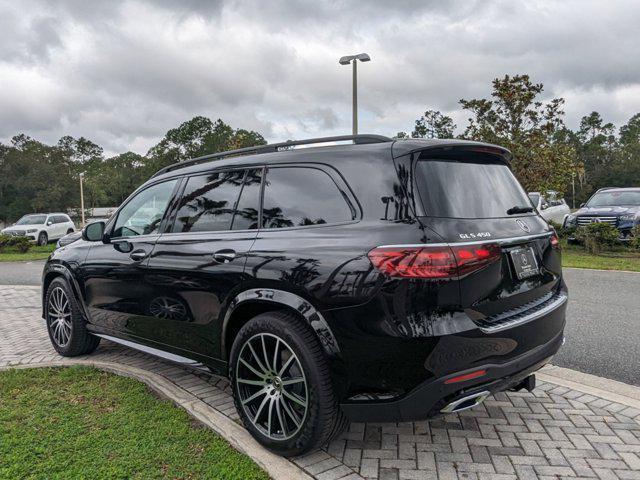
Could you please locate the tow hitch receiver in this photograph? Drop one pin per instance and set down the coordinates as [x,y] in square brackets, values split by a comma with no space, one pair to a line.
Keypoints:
[527,384]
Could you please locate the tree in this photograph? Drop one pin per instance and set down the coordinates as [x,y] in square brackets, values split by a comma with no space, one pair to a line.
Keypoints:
[200,136]
[433,124]
[516,119]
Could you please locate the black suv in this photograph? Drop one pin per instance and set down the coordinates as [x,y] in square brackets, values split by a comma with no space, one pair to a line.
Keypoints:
[377,281]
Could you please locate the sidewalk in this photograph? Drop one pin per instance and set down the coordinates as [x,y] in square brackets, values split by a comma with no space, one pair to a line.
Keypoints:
[573,425]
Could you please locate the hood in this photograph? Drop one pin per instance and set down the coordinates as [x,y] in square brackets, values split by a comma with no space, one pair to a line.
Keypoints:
[608,210]
[19,228]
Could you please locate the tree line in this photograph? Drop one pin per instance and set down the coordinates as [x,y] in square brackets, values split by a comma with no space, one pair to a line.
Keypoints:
[35,177]
[547,155]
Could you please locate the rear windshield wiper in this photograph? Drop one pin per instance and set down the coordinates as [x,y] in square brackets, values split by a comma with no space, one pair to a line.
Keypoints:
[517,209]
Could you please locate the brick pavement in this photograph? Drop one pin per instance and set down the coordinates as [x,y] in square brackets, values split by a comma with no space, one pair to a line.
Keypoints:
[553,433]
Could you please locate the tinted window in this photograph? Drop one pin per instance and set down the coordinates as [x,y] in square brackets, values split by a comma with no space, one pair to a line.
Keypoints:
[296,196]
[246,215]
[465,189]
[208,202]
[143,213]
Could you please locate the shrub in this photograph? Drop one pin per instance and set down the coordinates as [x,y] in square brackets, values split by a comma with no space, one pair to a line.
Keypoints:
[4,242]
[21,244]
[597,236]
[635,239]
[563,232]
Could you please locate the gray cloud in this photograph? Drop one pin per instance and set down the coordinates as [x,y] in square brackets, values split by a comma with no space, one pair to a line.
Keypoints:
[124,72]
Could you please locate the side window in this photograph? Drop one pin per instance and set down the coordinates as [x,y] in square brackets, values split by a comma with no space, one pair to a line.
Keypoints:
[143,213]
[208,202]
[298,196]
[246,215]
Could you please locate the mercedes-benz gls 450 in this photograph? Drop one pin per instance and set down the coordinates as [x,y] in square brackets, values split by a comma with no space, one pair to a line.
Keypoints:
[378,280]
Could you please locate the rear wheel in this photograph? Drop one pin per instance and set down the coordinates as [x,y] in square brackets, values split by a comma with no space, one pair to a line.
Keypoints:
[66,327]
[43,239]
[281,385]
[70,231]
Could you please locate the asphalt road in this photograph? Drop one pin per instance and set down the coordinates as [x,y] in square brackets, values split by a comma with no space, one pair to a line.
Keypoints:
[603,320]
[21,273]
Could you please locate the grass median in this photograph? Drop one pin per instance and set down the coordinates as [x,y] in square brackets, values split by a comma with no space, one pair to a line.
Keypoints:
[34,253]
[79,422]
[621,258]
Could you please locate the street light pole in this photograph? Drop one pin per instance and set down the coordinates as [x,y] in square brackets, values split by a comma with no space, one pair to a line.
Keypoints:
[354,106]
[81,200]
[346,60]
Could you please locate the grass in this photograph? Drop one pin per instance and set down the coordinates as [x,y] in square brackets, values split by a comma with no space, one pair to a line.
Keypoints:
[621,258]
[79,422]
[35,253]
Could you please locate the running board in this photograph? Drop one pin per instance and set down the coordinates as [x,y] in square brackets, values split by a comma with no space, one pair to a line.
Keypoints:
[172,357]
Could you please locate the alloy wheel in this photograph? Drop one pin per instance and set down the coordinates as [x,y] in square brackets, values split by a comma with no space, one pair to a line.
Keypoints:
[272,386]
[59,316]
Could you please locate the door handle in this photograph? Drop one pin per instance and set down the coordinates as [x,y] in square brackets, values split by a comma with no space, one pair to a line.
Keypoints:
[224,256]
[138,255]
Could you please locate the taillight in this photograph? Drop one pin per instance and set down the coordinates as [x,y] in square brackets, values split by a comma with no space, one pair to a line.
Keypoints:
[433,262]
[555,241]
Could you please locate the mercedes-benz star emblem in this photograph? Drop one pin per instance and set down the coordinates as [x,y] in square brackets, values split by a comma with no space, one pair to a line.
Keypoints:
[523,225]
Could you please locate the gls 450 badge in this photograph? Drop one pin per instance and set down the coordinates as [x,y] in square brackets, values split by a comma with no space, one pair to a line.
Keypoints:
[471,236]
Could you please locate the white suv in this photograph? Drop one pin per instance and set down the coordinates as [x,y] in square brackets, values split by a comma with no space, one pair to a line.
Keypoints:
[41,227]
[551,206]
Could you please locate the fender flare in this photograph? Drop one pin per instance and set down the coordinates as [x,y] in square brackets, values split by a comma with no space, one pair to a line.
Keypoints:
[61,270]
[287,299]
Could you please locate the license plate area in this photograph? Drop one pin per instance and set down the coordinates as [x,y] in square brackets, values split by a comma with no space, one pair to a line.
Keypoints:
[524,262]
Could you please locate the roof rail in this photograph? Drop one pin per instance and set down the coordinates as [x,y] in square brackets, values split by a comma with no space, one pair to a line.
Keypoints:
[274,147]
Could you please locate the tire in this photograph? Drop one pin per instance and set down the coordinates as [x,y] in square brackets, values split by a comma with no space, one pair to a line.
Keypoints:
[65,325]
[43,239]
[319,421]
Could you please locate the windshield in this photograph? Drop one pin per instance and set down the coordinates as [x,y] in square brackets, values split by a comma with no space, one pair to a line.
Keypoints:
[614,199]
[32,220]
[468,189]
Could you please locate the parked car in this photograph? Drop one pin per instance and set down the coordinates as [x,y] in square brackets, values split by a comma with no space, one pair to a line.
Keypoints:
[42,227]
[619,207]
[382,280]
[551,205]
[68,238]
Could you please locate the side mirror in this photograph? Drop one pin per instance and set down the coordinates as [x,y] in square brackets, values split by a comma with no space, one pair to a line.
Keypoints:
[582,205]
[544,206]
[49,223]
[93,232]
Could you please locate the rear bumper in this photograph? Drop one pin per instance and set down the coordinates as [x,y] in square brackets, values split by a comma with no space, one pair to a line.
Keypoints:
[427,400]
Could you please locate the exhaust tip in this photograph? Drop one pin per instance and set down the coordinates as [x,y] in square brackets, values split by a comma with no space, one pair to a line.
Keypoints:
[465,403]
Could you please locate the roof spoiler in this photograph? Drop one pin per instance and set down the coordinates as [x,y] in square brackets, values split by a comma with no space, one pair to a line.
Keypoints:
[274,147]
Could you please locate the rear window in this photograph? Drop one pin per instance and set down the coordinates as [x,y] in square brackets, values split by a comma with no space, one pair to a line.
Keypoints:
[468,189]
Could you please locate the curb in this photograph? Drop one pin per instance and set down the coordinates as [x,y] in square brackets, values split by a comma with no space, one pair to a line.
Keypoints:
[611,390]
[239,438]
[599,270]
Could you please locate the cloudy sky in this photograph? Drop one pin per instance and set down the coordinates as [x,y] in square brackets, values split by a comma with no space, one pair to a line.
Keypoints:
[123,72]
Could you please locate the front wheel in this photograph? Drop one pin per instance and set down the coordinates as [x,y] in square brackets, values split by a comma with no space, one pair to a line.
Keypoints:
[66,327]
[281,384]
[43,239]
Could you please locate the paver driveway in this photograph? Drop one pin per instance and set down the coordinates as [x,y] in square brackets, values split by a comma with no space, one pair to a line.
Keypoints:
[555,432]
